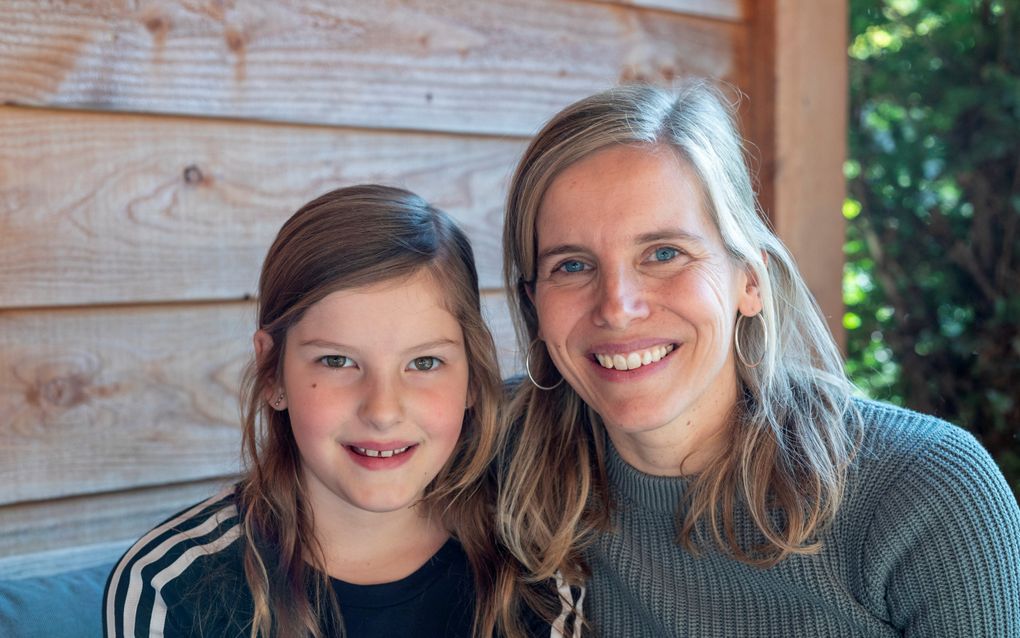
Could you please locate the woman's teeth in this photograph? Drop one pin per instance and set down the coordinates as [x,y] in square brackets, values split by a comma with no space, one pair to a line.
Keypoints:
[636,359]
[379,453]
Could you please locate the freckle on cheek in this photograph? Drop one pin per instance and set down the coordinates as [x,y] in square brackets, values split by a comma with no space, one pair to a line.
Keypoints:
[315,385]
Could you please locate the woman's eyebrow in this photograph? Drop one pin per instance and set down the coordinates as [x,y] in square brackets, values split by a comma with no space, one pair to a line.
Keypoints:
[668,235]
[562,249]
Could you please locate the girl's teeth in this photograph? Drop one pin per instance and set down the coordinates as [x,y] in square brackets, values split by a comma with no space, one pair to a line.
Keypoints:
[385,454]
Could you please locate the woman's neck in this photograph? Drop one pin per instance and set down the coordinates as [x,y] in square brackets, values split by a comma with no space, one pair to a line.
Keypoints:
[682,447]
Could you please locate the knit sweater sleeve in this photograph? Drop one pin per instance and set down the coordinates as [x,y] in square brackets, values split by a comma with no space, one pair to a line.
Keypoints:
[944,543]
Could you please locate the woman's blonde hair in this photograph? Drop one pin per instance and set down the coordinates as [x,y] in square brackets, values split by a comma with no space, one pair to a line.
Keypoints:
[793,431]
[345,239]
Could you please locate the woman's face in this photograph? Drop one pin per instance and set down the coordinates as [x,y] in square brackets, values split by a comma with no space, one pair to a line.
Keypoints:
[636,295]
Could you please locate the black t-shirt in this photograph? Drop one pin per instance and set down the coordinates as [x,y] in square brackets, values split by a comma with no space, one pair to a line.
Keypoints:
[436,600]
[186,578]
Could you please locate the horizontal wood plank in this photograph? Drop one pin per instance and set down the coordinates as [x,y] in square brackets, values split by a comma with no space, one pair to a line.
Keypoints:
[107,399]
[46,537]
[482,67]
[117,209]
[734,10]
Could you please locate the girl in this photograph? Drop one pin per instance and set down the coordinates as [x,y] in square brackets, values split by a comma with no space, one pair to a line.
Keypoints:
[369,427]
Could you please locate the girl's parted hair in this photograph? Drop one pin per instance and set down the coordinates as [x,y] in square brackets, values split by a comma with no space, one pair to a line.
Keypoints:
[346,239]
[793,433]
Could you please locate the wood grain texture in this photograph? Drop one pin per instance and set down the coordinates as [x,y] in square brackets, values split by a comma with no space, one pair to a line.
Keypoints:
[734,10]
[117,209]
[498,67]
[107,399]
[45,537]
[114,398]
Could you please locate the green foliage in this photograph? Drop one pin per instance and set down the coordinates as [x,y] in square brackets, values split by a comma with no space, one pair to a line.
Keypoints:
[932,280]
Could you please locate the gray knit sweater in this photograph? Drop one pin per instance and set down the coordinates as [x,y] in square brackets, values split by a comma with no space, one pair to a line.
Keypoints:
[927,543]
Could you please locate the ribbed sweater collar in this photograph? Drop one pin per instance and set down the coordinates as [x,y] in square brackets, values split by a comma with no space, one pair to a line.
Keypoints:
[657,493]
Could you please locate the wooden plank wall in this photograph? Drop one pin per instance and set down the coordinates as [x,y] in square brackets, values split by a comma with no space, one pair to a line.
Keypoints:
[150,150]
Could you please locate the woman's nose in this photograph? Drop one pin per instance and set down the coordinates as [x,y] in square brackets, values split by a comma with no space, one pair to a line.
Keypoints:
[381,406]
[621,299]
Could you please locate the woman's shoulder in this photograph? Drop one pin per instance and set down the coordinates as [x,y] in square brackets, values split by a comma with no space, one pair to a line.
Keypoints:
[914,463]
[171,562]
[896,439]
[932,525]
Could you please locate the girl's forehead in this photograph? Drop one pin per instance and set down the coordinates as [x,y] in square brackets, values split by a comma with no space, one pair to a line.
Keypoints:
[398,310]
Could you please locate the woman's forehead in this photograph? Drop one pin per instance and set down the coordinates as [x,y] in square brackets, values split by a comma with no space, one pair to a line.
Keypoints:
[626,193]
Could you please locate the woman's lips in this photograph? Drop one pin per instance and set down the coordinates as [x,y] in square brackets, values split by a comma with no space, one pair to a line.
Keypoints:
[633,359]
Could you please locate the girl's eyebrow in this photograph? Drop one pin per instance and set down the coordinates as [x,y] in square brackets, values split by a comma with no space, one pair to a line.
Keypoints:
[438,343]
[322,343]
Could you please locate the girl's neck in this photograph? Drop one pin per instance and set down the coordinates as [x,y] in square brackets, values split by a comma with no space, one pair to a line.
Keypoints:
[371,548]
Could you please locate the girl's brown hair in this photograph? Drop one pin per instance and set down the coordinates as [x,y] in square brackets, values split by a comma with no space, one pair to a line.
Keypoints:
[345,239]
[793,432]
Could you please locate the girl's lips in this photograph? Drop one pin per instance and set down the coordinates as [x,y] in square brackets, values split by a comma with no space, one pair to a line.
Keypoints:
[379,453]
[375,456]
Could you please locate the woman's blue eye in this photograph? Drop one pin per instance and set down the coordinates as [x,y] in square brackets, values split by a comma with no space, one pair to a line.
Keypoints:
[572,266]
[335,361]
[424,364]
[665,253]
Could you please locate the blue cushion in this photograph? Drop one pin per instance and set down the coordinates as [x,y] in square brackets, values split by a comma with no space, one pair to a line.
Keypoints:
[64,604]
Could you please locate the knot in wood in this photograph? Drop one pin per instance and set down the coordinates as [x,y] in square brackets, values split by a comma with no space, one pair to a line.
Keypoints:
[63,391]
[193,174]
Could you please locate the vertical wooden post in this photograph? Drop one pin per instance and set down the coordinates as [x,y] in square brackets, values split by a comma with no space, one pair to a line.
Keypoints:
[801,64]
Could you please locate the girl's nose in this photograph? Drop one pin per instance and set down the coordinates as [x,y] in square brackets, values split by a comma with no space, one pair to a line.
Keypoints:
[381,406]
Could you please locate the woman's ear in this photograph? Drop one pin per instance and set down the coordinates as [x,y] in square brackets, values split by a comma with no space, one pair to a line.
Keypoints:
[273,394]
[529,289]
[750,302]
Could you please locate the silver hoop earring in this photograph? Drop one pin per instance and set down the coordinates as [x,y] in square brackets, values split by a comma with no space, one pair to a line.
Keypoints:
[764,336]
[527,367]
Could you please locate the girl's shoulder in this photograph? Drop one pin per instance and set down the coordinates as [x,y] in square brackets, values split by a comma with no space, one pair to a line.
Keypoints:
[172,565]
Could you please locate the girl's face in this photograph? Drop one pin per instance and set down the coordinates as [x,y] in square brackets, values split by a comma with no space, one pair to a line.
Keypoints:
[376,382]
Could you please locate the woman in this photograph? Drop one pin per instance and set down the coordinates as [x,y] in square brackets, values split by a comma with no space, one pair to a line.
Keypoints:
[716,475]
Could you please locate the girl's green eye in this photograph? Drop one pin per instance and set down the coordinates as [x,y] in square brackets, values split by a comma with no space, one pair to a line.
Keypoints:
[335,361]
[665,253]
[424,364]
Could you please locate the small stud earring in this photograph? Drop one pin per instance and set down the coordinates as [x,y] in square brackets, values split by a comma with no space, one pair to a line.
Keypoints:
[279,400]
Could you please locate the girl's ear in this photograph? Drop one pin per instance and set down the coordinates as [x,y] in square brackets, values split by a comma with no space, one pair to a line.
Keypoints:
[263,343]
[273,394]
